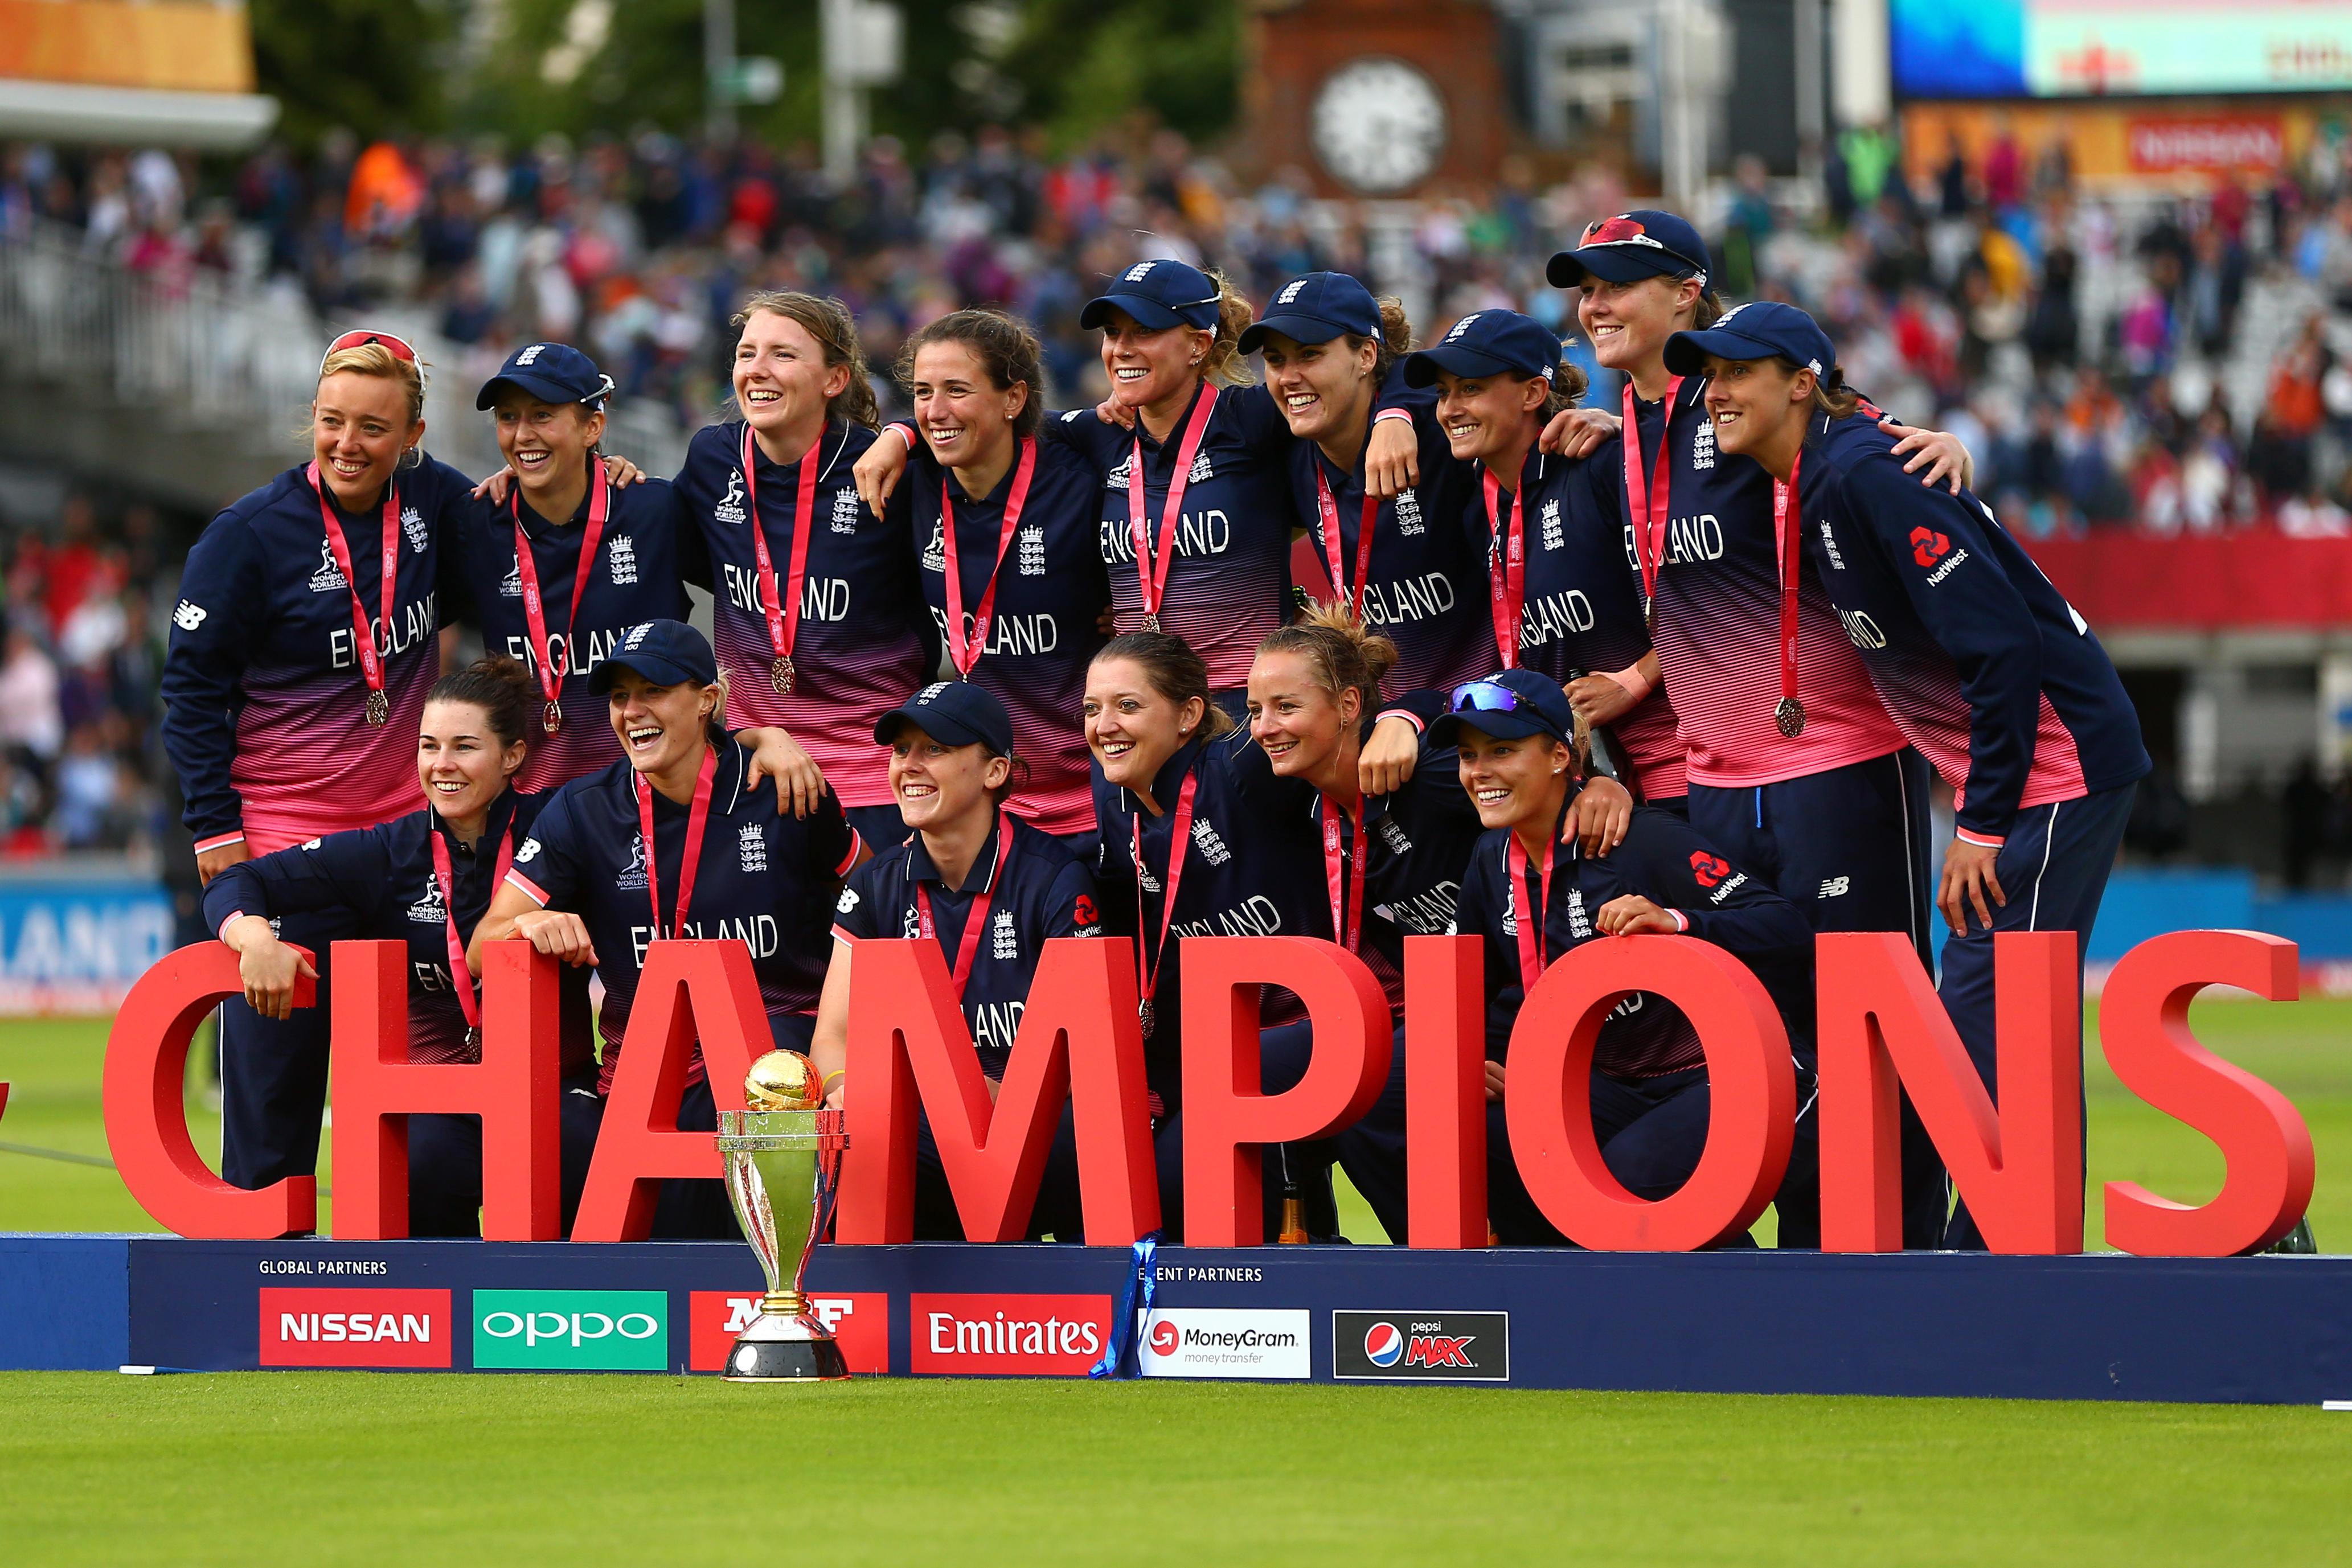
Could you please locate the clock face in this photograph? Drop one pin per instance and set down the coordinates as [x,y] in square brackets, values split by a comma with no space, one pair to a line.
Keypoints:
[1380,125]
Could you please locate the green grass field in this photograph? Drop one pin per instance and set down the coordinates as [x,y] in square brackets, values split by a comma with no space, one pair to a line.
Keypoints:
[359,1467]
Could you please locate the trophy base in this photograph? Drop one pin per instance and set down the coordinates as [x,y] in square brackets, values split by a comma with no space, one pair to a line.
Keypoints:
[777,1349]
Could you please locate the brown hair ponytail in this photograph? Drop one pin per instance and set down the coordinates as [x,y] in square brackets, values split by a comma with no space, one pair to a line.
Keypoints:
[1341,653]
[500,687]
[1223,364]
[1174,670]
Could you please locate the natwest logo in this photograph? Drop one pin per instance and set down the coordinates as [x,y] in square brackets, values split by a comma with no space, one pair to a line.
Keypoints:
[860,1323]
[354,1327]
[1224,1341]
[1004,1333]
[1461,1347]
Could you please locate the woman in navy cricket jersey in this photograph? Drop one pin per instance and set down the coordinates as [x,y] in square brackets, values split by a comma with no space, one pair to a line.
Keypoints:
[1016,586]
[1393,863]
[301,647]
[1796,772]
[819,615]
[990,888]
[1649,1091]
[559,560]
[1331,350]
[1200,839]
[1980,663]
[423,878]
[1546,527]
[1196,518]
[675,841]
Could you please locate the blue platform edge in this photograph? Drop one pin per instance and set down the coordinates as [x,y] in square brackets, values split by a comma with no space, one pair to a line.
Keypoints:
[2269,1330]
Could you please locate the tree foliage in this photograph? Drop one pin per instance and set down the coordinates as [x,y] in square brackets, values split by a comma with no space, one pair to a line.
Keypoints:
[375,66]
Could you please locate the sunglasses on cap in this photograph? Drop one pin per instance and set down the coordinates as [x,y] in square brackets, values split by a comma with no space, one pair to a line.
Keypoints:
[1628,231]
[398,348]
[1484,696]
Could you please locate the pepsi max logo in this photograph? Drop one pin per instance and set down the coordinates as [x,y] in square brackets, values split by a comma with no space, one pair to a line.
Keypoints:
[1472,1347]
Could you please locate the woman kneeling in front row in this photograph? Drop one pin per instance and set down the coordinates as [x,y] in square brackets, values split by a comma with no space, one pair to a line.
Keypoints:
[1649,1089]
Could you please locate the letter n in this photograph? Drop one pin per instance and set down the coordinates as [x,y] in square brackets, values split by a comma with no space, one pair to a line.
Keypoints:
[2266,1145]
[1227,1118]
[515,1089]
[1078,1043]
[1752,1085]
[2020,1169]
[689,992]
[144,1089]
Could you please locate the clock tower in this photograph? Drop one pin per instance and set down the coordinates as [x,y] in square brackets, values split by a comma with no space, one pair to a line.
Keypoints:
[1374,97]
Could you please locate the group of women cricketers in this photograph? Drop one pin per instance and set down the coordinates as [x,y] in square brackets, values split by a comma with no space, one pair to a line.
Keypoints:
[999,675]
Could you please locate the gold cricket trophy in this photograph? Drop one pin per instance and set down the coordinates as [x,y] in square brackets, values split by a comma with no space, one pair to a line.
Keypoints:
[782,1157]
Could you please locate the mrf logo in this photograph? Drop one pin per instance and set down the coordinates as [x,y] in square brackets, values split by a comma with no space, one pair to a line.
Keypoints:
[1928,546]
[1710,869]
[1463,1348]
[354,1328]
[860,1321]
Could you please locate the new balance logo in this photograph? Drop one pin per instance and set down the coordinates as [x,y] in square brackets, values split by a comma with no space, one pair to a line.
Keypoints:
[1836,886]
[187,617]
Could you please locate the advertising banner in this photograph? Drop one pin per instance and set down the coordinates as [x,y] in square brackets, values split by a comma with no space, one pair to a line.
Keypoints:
[74,946]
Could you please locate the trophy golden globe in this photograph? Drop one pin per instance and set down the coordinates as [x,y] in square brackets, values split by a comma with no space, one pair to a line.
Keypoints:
[781,1158]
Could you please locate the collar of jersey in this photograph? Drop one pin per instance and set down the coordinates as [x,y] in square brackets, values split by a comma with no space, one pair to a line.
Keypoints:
[921,868]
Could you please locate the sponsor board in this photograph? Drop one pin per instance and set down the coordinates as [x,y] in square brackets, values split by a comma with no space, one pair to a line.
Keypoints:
[569,1331]
[1472,1347]
[346,1327]
[1032,1335]
[860,1323]
[1223,1341]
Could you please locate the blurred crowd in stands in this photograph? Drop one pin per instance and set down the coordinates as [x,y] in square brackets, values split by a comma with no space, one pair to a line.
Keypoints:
[2087,346]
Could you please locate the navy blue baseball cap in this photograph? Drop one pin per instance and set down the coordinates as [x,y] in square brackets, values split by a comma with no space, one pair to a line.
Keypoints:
[1488,343]
[1759,330]
[1317,308]
[954,713]
[1632,247]
[667,653]
[1509,705]
[1158,295]
[551,373]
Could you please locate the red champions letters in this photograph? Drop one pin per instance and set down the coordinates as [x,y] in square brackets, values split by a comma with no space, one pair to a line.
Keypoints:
[1078,1043]
[2020,1166]
[1228,1118]
[2144,1029]
[1547,1095]
[694,999]
[515,1089]
[147,1117]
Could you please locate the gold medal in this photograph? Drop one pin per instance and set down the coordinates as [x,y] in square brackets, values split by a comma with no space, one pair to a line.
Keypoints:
[1150,623]
[378,708]
[1789,716]
[1145,1016]
[779,676]
[552,718]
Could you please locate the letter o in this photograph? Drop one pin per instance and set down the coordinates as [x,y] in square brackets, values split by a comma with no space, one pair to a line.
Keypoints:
[652,1328]
[514,1321]
[1547,1095]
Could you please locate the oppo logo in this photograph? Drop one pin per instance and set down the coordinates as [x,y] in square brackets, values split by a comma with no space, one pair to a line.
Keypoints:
[533,1328]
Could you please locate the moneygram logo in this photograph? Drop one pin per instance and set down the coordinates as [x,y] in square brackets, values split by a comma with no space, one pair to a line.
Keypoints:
[860,1321]
[569,1331]
[1461,1347]
[354,1328]
[1224,1341]
[1018,1335]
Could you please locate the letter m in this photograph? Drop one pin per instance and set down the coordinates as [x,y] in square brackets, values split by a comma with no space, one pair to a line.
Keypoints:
[1078,1043]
